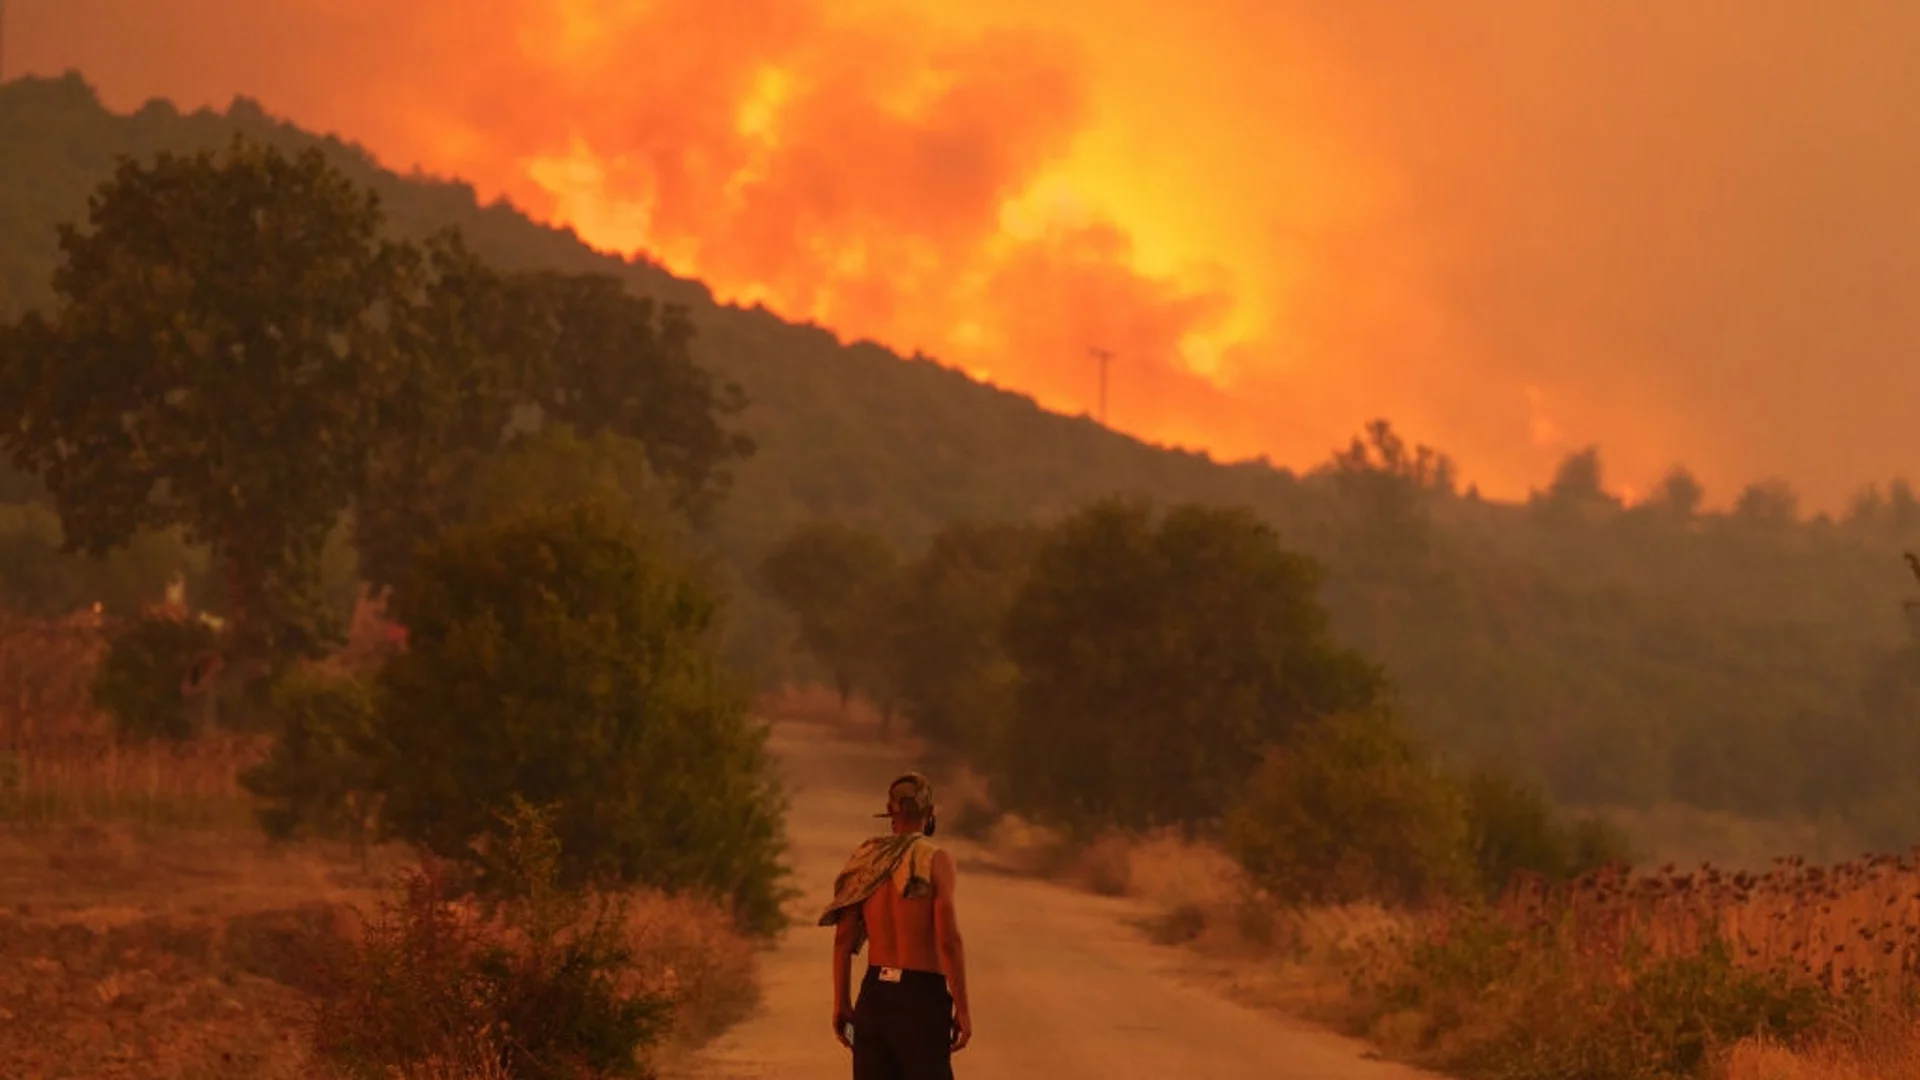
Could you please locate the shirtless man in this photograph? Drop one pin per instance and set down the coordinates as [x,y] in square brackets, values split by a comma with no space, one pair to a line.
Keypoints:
[897,890]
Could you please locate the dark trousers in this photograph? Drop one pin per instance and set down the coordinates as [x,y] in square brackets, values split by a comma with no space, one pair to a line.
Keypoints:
[903,1030]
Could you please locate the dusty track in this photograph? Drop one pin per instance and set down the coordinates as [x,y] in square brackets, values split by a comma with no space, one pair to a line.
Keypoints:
[1062,987]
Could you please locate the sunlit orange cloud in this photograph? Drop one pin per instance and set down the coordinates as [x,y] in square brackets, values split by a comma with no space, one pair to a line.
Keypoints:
[1283,217]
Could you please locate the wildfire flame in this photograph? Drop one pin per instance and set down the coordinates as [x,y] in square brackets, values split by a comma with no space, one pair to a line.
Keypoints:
[1282,217]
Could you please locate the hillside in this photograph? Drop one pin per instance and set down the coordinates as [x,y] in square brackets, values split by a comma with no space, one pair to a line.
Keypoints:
[1622,656]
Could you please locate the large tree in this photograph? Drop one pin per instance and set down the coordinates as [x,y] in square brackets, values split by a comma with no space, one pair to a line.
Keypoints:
[838,581]
[462,363]
[212,360]
[1386,489]
[947,662]
[489,358]
[1158,657]
[564,657]
[619,364]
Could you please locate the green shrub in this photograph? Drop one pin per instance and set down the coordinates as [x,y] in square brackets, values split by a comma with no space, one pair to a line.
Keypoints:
[143,680]
[1511,827]
[561,657]
[318,780]
[1351,810]
[1594,842]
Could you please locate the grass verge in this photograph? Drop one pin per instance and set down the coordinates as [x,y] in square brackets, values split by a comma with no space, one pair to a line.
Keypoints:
[131,946]
[1797,973]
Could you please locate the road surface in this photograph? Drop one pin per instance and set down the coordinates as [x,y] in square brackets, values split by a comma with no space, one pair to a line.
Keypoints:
[1062,986]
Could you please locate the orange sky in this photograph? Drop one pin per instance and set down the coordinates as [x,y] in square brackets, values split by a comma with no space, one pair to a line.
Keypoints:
[1682,231]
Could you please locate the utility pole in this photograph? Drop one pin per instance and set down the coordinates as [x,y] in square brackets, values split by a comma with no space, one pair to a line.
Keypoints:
[1104,356]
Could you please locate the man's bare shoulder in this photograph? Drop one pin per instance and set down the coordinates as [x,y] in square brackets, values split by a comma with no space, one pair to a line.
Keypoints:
[944,872]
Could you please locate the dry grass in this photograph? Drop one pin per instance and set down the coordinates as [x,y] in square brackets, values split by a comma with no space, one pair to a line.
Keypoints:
[1851,929]
[1194,895]
[1709,972]
[1162,868]
[1886,1056]
[101,780]
[1023,847]
[147,929]
[690,950]
[134,952]
[46,676]
[131,951]
[1823,962]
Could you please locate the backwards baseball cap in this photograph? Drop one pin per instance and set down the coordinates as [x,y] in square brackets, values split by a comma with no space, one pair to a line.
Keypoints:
[910,794]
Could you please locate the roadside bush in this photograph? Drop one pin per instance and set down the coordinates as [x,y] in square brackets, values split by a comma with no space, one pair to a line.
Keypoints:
[1352,810]
[562,657]
[1512,828]
[143,680]
[539,987]
[318,780]
[1482,999]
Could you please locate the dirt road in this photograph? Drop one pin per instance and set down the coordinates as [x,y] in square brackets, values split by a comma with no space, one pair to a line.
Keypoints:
[1062,987]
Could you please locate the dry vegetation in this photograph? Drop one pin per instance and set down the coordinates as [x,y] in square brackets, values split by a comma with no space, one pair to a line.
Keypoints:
[132,951]
[97,779]
[148,930]
[1798,973]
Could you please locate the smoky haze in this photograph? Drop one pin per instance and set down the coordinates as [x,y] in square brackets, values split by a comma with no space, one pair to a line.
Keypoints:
[1685,232]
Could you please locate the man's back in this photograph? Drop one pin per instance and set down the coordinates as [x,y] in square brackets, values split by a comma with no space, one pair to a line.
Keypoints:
[902,933]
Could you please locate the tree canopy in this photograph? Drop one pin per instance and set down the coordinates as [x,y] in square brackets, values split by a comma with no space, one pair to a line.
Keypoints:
[1158,657]
[237,349]
[211,362]
[563,657]
[837,580]
[947,663]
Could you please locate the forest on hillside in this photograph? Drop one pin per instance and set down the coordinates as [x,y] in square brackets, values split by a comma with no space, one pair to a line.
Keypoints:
[1751,659]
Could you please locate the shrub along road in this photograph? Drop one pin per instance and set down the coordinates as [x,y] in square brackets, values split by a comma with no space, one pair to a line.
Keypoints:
[1062,986]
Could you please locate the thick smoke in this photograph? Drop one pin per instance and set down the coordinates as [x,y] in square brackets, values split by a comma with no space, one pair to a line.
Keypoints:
[1681,231]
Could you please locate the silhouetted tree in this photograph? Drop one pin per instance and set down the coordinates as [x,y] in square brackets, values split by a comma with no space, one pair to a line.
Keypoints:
[1678,495]
[948,662]
[1767,503]
[563,657]
[212,361]
[1157,657]
[1385,487]
[488,357]
[1894,515]
[836,580]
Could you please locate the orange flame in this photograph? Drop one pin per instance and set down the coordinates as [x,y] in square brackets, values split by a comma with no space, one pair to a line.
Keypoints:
[1283,218]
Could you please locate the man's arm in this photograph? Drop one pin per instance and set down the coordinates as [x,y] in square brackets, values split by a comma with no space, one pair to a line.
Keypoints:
[844,933]
[946,937]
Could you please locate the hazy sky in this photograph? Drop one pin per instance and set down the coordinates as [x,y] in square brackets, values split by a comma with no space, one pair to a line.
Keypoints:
[1684,231]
